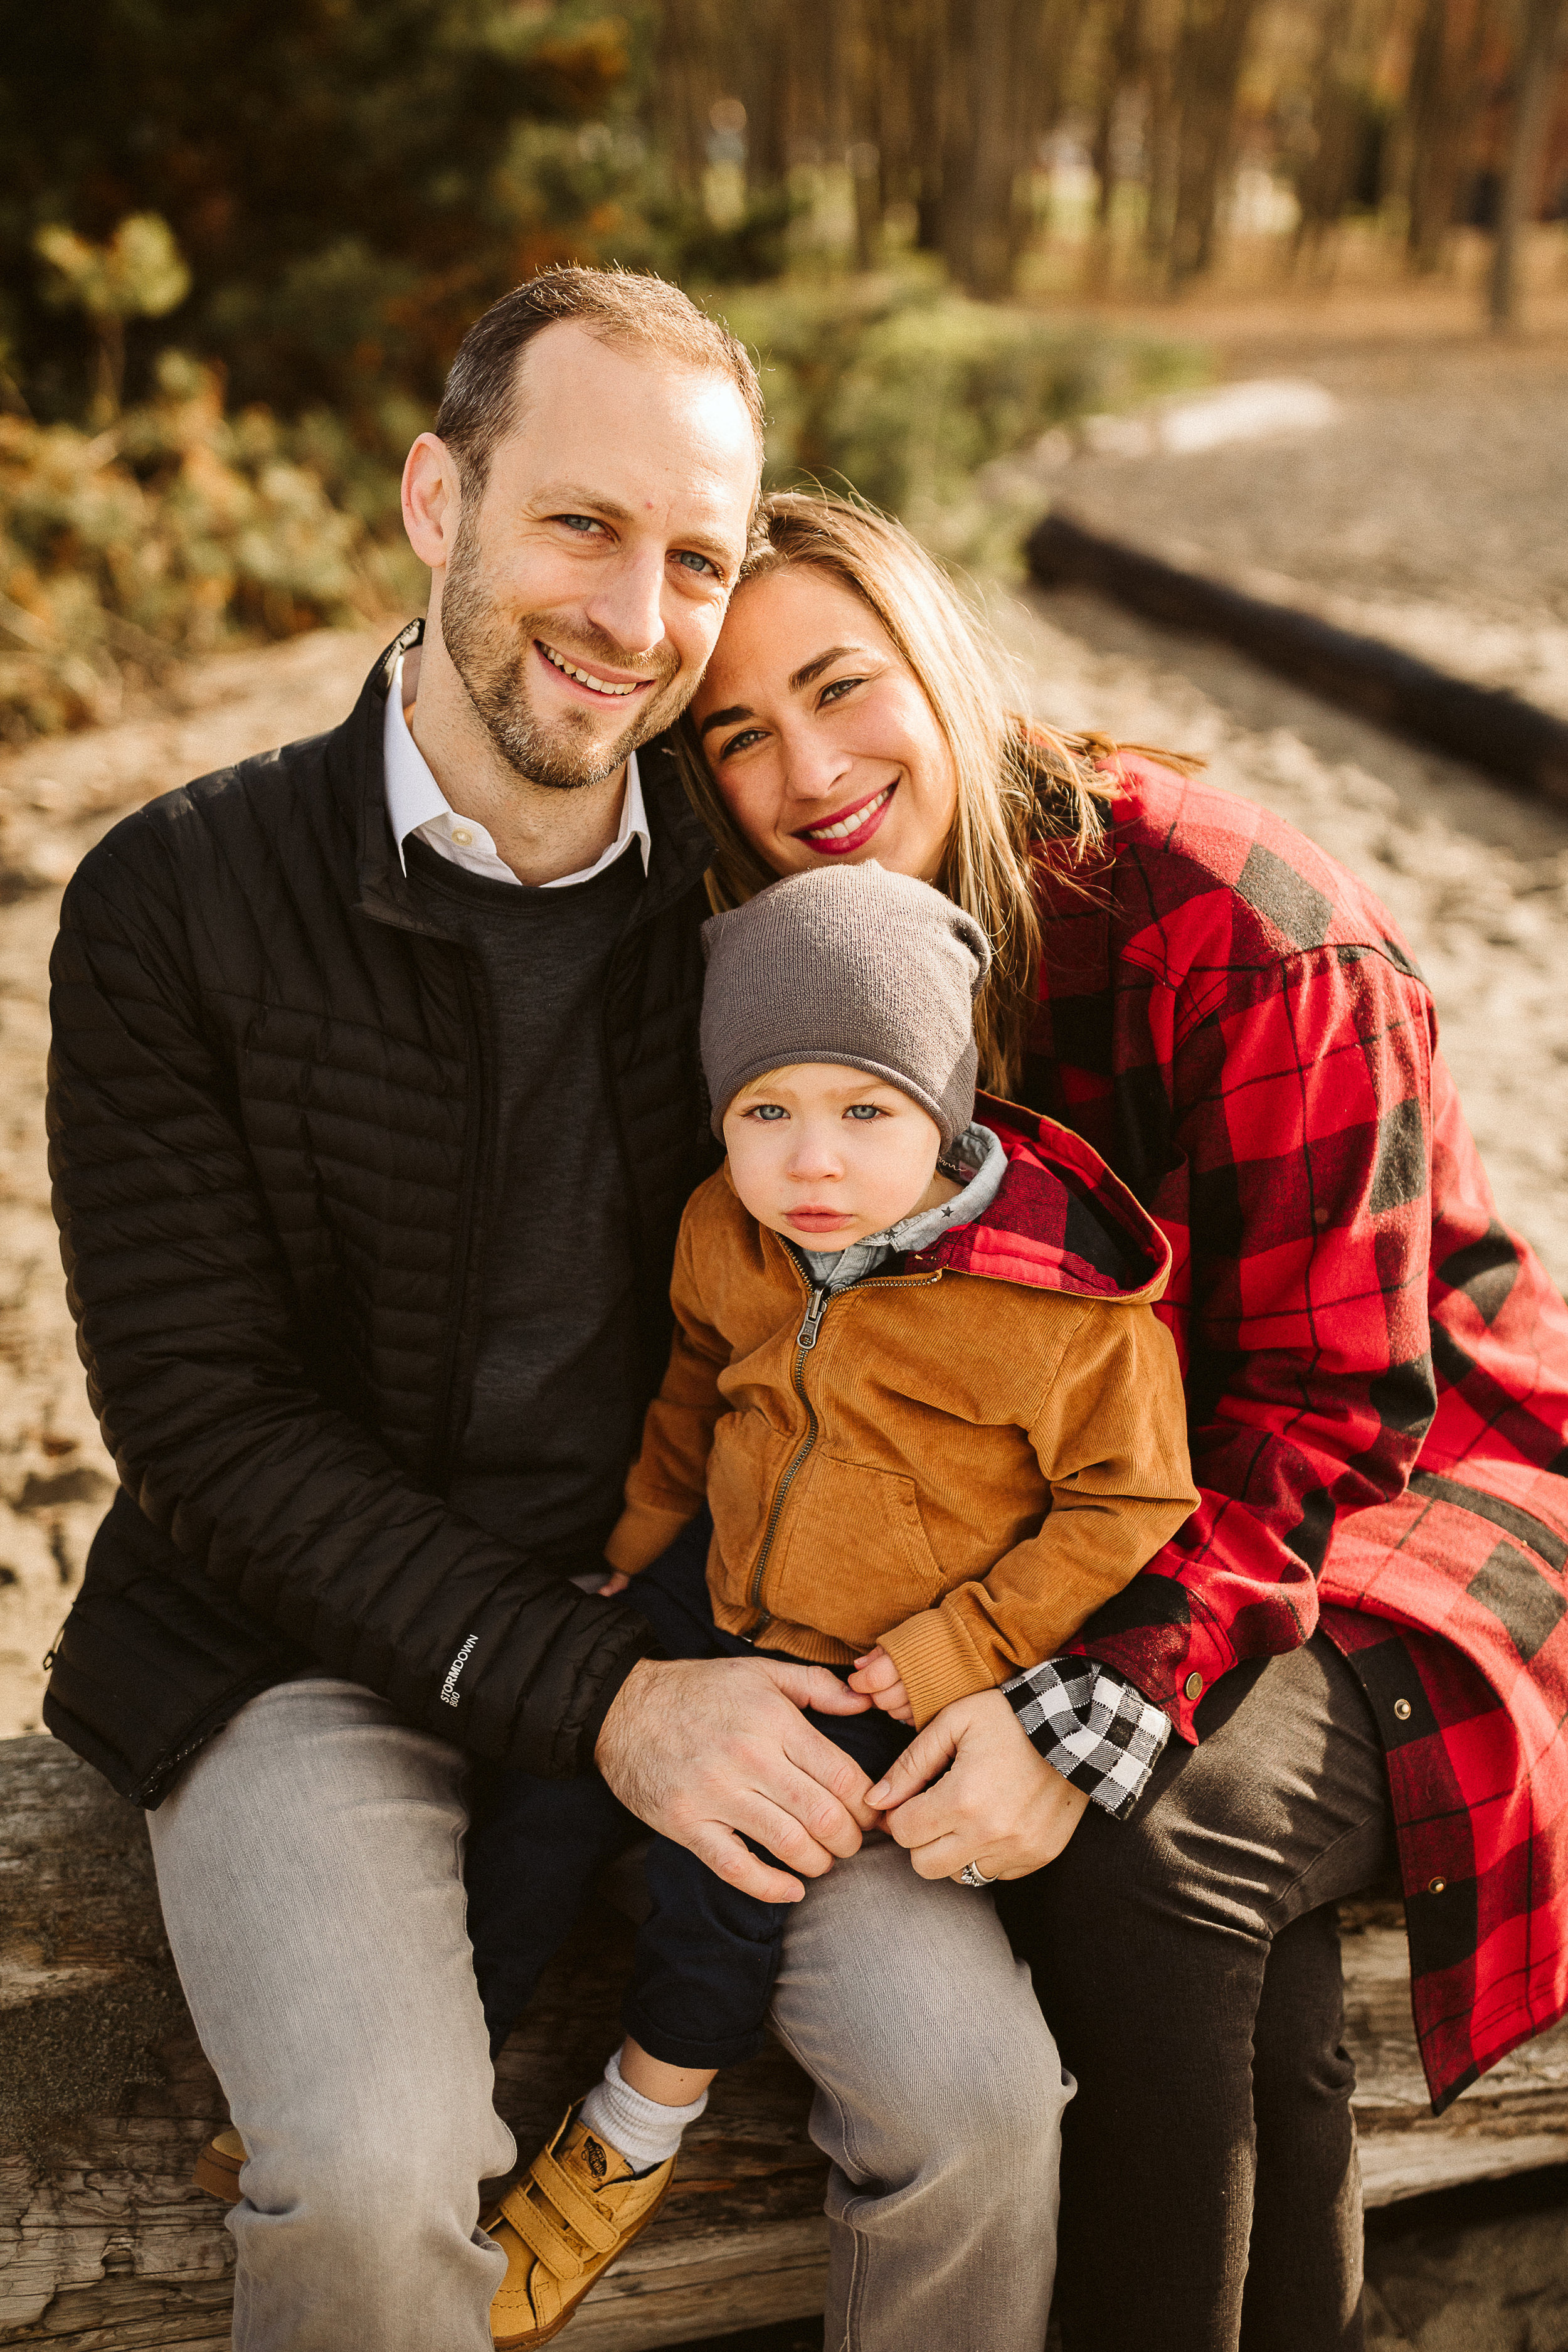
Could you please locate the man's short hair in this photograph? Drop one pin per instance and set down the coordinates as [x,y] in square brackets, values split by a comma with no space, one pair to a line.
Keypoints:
[479,403]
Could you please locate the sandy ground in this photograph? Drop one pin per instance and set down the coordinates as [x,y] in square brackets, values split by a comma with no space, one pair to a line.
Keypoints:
[1431,512]
[1477,877]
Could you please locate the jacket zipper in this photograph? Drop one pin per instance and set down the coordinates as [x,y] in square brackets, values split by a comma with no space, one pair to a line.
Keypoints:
[805,1341]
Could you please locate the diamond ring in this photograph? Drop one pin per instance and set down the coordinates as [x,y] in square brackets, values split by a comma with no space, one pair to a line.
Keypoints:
[973,1875]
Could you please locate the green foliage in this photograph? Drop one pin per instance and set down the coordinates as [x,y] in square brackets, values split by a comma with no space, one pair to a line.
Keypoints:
[140,273]
[178,532]
[743,252]
[905,389]
[340,177]
[312,199]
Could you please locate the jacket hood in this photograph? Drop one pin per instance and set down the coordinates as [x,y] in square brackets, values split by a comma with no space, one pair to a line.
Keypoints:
[1061,1220]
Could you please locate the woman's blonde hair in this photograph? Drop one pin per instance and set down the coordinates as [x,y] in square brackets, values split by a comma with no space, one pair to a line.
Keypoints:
[1021,786]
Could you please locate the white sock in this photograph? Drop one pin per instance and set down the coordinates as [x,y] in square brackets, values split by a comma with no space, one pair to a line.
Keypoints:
[643,2130]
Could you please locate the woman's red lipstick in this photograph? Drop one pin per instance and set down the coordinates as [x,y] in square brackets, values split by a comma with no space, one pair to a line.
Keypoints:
[816,835]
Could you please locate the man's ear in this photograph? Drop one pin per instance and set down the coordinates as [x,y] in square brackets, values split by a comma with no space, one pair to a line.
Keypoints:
[431,501]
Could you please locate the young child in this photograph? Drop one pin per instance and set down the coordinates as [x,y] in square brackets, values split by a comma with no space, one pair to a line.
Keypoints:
[918,1383]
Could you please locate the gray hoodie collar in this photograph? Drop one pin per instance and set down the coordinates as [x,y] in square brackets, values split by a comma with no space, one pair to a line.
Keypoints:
[976,1150]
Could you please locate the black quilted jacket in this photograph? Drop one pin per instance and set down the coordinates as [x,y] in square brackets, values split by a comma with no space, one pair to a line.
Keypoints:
[268,1131]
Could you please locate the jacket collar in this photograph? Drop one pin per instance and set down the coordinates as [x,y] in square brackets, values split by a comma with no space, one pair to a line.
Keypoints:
[681,852]
[1061,1220]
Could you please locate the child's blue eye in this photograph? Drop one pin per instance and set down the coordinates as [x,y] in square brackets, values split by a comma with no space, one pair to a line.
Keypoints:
[769,1111]
[865,1110]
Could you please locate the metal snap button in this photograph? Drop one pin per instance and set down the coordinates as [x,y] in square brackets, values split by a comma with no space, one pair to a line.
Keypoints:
[1436,1885]
[1193,1686]
[1402,1709]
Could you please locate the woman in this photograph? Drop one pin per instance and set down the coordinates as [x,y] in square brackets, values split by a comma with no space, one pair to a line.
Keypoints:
[1356,1643]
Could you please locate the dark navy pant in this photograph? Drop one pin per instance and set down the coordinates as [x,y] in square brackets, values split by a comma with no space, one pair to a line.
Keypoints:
[706,1954]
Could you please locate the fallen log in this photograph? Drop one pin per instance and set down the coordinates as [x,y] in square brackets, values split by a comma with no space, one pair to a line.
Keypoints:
[1495,730]
[105,2100]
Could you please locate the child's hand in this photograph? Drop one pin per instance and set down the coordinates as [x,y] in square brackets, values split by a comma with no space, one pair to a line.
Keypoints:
[876,1678]
[612,1585]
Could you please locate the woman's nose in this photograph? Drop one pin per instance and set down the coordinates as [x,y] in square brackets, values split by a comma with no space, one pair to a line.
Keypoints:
[814,766]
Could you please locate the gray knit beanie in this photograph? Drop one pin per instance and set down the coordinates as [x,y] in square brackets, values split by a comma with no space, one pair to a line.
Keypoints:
[848,964]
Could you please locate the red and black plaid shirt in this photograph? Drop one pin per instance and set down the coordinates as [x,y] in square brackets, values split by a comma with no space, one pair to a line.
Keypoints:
[1377,1370]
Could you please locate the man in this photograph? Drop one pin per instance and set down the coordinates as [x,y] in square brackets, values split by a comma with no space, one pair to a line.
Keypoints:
[375,1106]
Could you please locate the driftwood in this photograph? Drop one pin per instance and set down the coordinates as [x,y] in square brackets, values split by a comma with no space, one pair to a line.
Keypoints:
[1494,728]
[105,2100]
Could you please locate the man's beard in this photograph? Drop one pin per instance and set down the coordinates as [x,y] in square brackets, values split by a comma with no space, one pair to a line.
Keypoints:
[493,653]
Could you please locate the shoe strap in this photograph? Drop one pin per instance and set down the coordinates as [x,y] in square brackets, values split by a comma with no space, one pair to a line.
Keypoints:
[541,2233]
[568,2198]
[559,2190]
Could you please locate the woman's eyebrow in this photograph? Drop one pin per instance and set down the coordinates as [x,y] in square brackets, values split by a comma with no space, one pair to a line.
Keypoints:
[812,669]
[724,718]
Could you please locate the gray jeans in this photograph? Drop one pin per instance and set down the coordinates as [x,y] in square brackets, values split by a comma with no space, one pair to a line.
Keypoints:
[309,1863]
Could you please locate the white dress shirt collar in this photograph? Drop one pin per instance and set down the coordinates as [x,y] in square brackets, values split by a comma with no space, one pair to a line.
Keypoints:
[417,805]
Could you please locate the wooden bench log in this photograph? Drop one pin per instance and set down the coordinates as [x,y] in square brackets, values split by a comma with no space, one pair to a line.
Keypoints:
[1489,725]
[105,2099]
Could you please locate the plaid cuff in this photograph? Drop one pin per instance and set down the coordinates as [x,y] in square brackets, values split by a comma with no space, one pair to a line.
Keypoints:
[1092,1727]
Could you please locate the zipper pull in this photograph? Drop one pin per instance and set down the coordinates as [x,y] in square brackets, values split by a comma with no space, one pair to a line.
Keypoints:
[807,1335]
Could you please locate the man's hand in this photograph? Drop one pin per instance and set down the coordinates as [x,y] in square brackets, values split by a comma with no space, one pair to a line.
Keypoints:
[1001,1806]
[710,1750]
[876,1676]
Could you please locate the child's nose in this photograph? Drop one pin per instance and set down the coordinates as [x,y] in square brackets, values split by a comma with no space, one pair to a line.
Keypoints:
[813,1158]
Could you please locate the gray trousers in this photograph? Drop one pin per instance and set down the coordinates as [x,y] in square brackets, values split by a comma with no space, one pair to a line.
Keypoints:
[309,1864]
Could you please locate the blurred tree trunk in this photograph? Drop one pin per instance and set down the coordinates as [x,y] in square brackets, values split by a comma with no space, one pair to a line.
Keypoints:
[902,54]
[978,159]
[1003,73]
[1535,76]
[1117,77]
[927,24]
[810,123]
[766,79]
[1352,34]
[1209,56]
[1445,97]
[1052,35]
[684,87]
[1162,32]
[868,73]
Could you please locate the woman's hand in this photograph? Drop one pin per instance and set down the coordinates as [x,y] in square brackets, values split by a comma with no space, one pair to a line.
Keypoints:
[1001,1806]
[876,1678]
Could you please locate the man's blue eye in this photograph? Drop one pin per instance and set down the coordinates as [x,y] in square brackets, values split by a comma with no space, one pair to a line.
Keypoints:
[579,523]
[693,561]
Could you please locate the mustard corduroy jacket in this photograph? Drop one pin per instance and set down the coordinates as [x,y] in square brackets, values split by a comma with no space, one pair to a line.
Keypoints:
[961,1458]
